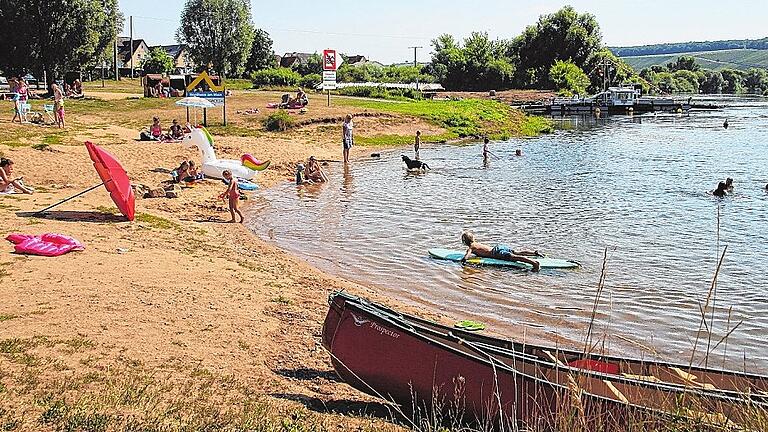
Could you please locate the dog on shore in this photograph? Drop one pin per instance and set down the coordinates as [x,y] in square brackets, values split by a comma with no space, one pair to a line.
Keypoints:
[414,164]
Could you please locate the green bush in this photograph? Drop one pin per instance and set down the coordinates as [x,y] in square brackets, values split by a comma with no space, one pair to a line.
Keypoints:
[381,93]
[275,77]
[311,81]
[278,121]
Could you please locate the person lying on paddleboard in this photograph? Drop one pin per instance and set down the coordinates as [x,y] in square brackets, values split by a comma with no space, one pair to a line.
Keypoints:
[500,252]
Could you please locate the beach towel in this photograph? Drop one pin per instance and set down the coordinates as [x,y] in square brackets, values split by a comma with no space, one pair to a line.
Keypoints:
[49,244]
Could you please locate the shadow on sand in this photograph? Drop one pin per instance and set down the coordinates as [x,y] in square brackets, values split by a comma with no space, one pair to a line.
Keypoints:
[358,408]
[344,407]
[75,216]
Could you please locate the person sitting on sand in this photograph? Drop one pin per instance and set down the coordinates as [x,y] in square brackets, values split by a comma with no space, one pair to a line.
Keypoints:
[301,98]
[181,173]
[501,252]
[720,191]
[314,172]
[156,130]
[232,195]
[175,132]
[9,184]
[193,171]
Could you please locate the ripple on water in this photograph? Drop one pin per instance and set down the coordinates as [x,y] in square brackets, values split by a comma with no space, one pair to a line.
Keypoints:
[638,186]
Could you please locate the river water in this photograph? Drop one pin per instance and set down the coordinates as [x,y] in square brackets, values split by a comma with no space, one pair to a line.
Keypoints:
[637,187]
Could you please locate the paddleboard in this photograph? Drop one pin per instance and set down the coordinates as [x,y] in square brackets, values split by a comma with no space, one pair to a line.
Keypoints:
[244,184]
[544,262]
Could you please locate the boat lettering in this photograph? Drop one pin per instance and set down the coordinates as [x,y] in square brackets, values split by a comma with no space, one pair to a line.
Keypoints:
[384,331]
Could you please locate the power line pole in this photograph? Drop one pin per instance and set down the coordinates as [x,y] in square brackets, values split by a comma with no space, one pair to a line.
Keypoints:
[415,64]
[130,48]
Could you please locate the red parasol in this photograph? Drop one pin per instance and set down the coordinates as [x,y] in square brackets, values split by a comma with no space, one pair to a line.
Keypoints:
[115,179]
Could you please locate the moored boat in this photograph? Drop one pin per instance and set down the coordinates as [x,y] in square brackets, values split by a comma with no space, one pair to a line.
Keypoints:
[423,367]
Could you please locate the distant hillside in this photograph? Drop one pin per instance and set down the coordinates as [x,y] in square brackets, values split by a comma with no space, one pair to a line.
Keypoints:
[741,59]
[690,47]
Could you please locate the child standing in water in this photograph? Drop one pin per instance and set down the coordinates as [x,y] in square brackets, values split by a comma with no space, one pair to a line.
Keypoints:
[501,252]
[417,144]
[233,195]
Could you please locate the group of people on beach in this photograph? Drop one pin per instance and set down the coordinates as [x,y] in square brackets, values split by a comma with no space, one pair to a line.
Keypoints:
[310,173]
[21,94]
[155,131]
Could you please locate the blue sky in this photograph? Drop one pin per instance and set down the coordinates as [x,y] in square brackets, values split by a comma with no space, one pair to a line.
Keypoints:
[383,30]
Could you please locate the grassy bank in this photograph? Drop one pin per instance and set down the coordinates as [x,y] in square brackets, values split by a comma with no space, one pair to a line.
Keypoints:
[464,118]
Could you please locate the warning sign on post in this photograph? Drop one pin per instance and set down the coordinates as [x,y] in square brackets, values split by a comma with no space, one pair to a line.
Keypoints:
[329,60]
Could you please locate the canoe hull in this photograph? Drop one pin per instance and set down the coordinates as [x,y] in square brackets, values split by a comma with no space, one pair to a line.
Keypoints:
[424,377]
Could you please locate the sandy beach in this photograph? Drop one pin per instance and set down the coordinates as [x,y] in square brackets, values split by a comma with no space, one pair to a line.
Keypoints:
[176,296]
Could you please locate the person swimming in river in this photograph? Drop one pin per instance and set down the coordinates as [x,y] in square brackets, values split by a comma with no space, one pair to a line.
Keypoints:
[720,192]
[500,252]
[729,185]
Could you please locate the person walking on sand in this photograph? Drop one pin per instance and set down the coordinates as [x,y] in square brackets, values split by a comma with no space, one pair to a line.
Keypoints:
[58,105]
[348,139]
[417,144]
[233,195]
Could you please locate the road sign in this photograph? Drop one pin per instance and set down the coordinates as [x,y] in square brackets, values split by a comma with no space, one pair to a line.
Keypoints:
[214,97]
[332,60]
[329,60]
[329,80]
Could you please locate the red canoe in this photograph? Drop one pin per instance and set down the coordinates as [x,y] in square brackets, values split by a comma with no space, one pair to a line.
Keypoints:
[426,368]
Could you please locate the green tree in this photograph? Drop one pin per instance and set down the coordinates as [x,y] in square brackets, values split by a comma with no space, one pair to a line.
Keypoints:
[479,63]
[275,77]
[157,62]
[686,81]
[54,36]
[712,82]
[756,80]
[360,73]
[313,65]
[734,81]
[683,63]
[563,35]
[218,34]
[262,56]
[568,78]
[617,72]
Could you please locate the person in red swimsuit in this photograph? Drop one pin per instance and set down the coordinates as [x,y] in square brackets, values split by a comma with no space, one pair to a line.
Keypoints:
[233,195]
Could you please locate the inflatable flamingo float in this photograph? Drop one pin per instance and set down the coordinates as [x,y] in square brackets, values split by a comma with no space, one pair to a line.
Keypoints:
[245,168]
